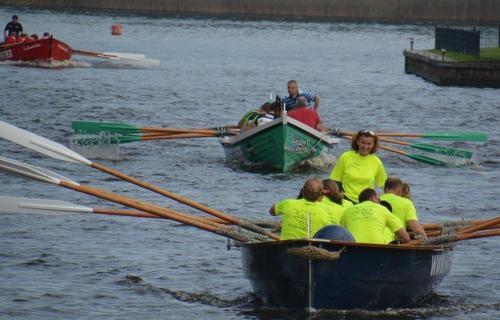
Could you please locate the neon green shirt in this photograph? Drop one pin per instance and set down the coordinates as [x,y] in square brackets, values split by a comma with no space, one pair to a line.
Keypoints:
[368,220]
[403,208]
[295,218]
[334,210]
[358,172]
[346,203]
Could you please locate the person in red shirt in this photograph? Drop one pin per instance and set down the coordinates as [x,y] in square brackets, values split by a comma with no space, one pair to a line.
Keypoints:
[305,115]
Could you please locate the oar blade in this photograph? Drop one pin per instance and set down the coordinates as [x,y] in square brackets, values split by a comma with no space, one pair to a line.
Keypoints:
[456,136]
[452,152]
[9,205]
[40,144]
[97,126]
[427,160]
[31,172]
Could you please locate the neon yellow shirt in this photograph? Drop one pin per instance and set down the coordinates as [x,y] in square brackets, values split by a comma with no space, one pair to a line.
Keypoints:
[403,208]
[358,172]
[368,220]
[346,203]
[295,218]
[334,210]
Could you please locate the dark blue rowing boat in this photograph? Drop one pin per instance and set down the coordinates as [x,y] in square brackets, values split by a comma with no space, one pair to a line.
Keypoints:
[323,274]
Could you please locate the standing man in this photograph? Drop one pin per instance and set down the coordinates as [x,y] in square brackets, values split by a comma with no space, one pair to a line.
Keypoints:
[13,28]
[294,92]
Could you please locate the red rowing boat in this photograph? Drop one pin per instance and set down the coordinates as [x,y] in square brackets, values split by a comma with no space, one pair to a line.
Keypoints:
[42,49]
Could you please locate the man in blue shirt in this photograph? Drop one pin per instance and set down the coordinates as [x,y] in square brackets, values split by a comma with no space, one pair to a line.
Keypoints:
[294,92]
[13,28]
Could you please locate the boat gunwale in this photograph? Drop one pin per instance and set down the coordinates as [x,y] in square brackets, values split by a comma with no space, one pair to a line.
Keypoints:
[306,241]
[283,120]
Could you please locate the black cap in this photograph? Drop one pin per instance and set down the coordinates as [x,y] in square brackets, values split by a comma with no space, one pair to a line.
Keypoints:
[14,17]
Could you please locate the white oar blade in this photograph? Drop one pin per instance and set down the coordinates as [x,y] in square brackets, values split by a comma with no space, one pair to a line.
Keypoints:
[32,172]
[40,144]
[9,205]
[126,55]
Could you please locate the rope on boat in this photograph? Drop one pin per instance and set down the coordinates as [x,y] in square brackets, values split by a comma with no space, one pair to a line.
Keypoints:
[314,253]
[240,235]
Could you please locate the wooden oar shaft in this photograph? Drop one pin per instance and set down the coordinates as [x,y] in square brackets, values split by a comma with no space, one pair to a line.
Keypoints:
[401,152]
[231,129]
[175,136]
[481,226]
[183,200]
[458,223]
[94,54]
[140,214]
[136,204]
[154,209]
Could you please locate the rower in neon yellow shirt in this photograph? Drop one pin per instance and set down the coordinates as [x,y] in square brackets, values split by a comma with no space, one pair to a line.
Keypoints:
[368,220]
[403,208]
[359,168]
[333,201]
[302,218]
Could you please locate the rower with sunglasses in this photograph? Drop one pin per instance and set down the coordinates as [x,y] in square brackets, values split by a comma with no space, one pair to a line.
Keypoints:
[359,168]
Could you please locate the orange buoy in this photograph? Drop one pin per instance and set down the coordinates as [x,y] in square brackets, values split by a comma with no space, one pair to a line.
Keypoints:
[116,30]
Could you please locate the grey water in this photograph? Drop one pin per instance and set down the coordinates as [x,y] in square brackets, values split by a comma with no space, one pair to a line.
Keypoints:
[86,266]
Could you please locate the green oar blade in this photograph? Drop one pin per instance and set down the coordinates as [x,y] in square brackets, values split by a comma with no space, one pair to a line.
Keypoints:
[452,152]
[96,126]
[457,136]
[427,160]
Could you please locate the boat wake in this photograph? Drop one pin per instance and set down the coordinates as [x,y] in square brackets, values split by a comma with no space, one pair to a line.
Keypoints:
[437,305]
[204,298]
[48,64]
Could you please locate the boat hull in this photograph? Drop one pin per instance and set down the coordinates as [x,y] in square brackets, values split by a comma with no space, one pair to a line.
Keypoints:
[282,144]
[368,277]
[42,49]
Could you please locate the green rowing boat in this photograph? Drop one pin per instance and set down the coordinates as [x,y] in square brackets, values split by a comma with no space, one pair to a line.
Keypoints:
[282,144]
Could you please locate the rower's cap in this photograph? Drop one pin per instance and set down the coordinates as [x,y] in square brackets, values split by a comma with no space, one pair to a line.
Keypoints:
[14,17]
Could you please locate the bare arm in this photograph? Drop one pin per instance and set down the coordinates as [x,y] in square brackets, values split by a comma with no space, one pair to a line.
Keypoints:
[417,228]
[317,100]
[403,235]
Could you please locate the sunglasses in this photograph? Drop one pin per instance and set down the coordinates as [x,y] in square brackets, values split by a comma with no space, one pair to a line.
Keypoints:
[366,133]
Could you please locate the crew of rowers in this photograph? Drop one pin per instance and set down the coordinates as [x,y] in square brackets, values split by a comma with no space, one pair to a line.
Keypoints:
[297,104]
[13,33]
[349,199]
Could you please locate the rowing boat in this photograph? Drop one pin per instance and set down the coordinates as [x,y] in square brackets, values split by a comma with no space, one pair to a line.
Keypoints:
[282,144]
[38,50]
[364,276]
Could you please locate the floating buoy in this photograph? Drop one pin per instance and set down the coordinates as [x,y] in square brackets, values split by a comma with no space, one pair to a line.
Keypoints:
[116,29]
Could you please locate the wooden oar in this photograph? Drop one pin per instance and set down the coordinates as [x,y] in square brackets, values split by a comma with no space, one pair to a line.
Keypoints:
[452,152]
[89,127]
[58,151]
[437,135]
[135,58]
[10,205]
[44,175]
[418,157]
[481,226]
[456,237]
[127,138]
